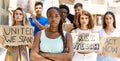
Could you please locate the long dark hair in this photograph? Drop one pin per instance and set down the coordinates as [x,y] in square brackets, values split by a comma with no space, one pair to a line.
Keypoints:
[104,23]
[60,29]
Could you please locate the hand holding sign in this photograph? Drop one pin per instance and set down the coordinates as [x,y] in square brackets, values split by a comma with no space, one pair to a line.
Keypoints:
[88,42]
[1,36]
[68,27]
[17,35]
[110,46]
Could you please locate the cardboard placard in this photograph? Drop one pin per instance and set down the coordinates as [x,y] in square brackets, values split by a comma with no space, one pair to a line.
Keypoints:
[67,1]
[110,46]
[17,35]
[67,27]
[86,42]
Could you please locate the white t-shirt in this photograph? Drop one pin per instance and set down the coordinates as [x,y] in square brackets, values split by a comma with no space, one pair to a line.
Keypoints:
[84,57]
[78,30]
[115,33]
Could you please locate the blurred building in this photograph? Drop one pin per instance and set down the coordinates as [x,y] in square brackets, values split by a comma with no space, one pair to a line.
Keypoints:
[96,7]
[4,12]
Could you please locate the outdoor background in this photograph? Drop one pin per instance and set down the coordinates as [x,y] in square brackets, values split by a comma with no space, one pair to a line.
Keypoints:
[96,7]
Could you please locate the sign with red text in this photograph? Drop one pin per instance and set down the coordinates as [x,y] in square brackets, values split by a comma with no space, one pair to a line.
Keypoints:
[87,42]
[110,46]
[17,35]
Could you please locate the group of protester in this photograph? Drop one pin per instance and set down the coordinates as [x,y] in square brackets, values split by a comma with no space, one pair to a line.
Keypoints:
[52,38]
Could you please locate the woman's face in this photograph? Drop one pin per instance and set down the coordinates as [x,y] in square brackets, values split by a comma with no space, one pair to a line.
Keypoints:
[109,19]
[18,16]
[53,17]
[84,20]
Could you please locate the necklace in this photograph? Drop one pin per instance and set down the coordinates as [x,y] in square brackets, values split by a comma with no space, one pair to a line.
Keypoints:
[52,31]
[109,31]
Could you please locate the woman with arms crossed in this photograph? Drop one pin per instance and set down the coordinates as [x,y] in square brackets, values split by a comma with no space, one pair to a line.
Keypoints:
[52,44]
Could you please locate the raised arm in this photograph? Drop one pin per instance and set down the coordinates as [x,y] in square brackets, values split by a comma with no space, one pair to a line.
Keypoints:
[34,54]
[76,16]
[40,26]
[65,56]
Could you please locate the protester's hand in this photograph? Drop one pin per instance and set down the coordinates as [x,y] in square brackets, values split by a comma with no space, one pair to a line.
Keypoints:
[66,50]
[1,39]
[119,56]
[68,27]
[73,31]
[1,36]
[33,16]
[77,15]
[10,11]
[100,53]
[30,11]
[76,19]
[30,45]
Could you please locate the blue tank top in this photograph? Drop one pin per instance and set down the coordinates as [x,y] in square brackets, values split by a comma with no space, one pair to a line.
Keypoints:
[49,45]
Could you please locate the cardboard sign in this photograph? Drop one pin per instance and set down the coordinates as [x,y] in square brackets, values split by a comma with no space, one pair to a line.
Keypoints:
[110,46]
[86,42]
[67,27]
[74,38]
[67,1]
[17,35]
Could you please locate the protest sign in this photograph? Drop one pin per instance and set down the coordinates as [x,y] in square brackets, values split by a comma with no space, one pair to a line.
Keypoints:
[110,46]
[74,38]
[87,42]
[67,1]
[17,35]
[67,27]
